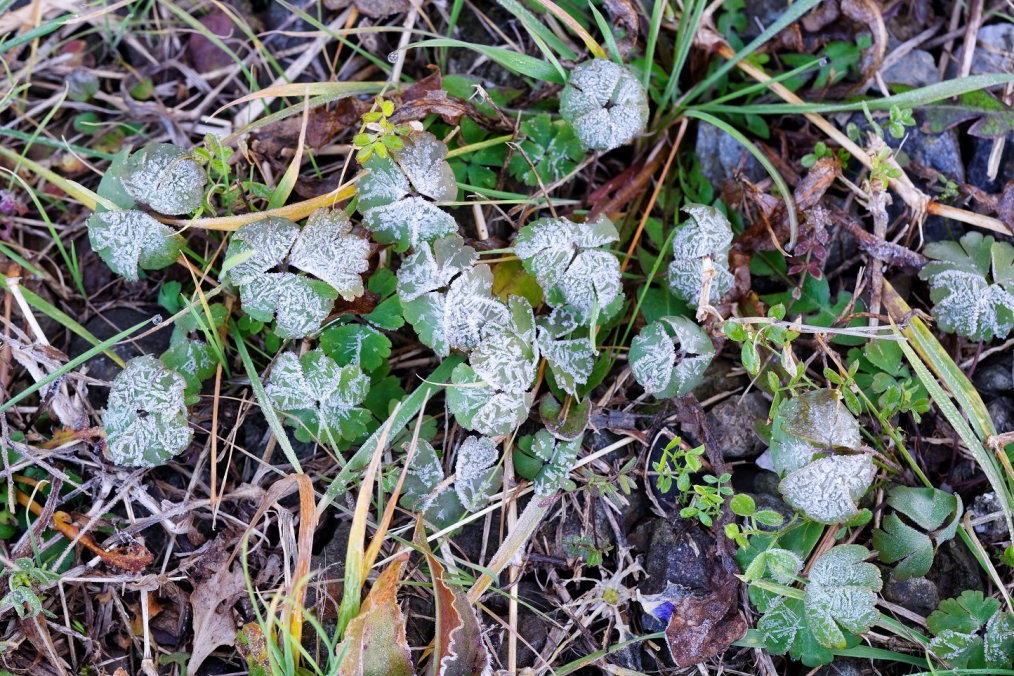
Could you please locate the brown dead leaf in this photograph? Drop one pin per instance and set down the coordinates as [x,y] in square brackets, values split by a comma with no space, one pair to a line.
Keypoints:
[1005,205]
[427,96]
[276,141]
[624,16]
[375,642]
[371,8]
[133,557]
[211,602]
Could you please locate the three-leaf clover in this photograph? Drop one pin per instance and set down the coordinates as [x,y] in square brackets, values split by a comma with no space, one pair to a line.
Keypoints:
[194,360]
[971,632]
[706,234]
[927,508]
[659,367]
[146,414]
[558,458]
[552,148]
[477,476]
[605,103]
[842,594]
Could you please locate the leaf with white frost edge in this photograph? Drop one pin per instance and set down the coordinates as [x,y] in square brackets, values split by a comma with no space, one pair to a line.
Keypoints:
[425,474]
[328,393]
[194,360]
[605,103]
[383,183]
[813,422]
[408,222]
[476,472]
[146,415]
[431,267]
[131,240]
[164,177]
[559,457]
[478,407]
[327,250]
[471,309]
[571,361]
[965,304]
[422,158]
[269,238]
[706,233]
[655,363]
[828,489]
[508,358]
[842,593]
[299,304]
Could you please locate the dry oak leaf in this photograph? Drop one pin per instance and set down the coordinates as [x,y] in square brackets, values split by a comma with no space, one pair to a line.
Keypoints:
[211,601]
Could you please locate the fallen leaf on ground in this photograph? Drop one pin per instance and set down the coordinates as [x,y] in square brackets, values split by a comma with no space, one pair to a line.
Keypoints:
[211,602]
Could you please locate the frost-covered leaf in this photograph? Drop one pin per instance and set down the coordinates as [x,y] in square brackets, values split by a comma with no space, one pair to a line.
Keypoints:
[508,357]
[558,456]
[563,258]
[298,303]
[571,361]
[327,250]
[471,308]
[477,473]
[655,363]
[422,158]
[810,423]
[785,630]
[827,490]
[842,594]
[477,406]
[897,541]
[146,416]
[327,394]
[164,177]
[927,508]
[356,344]
[706,233]
[972,286]
[783,564]
[605,103]
[408,222]
[426,315]
[432,267]
[384,183]
[269,239]
[971,632]
[424,475]
[131,240]
[192,359]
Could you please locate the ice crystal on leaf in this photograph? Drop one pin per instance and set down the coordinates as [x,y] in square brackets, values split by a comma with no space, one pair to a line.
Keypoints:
[812,422]
[605,103]
[972,286]
[131,240]
[165,178]
[571,361]
[477,473]
[706,233]
[508,358]
[299,304]
[971,632]
[659,368]
[559,457]
[565,261]
[432,267]
[383,183]
[327,250]
[408,222]
[322,395]
[259,246]
[828,489]
[146,415]
[422,160]
[195,361]
[477,406]
[419,493]
[842,594]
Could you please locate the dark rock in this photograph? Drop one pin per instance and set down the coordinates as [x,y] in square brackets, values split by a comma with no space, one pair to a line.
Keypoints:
[106,326]
[733,420]
[1001,410]
[766,482]
[994,378]
[468,541]
[988,504]
[917,594]
[720,155]
[675,563]
[955,570]
[915,69]
[717,380]
[533,630]
[977,173]
[568,539]
[994,48]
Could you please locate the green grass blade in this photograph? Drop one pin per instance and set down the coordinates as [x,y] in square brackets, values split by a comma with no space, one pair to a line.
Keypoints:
[649,50]
[536,27]
[62,145]
[37,32]
[689,22]
[519,63]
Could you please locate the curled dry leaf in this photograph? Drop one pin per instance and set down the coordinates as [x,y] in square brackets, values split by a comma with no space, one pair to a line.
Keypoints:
[133,557]
[211,602]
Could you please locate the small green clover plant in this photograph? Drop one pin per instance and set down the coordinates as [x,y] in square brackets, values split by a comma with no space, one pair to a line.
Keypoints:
[25,580]
[550,146]
[934,516]
[971,632]
[380,135]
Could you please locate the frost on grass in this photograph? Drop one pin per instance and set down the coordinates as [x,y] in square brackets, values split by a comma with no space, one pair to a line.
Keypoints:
[321,394]
[972,286]
[657,365]
[706,233]
[828,489]
[477,473]
[146,415]
[327,250]
[565,261]
[431,267]
[129,241]
[812,422]
[478,407]
[558,456]
[842,594]
[164,178]
[605,103]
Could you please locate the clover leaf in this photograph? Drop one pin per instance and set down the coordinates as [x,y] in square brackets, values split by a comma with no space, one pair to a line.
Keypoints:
[658,367]
[322,395]
[146,414]
[131,240]
[356,344]
[432,266]
[326,249]
[477,406]
[927,508]
[971,632]
[814,421]
[165,178]
[571,361]
[419,493]
[195,361]
[842,594]
[605,103]
[552,147]
[558,456]
[828,489]
[784,629]
[972,286]
[706,233]
[507,359]
[565,260]
[477,474]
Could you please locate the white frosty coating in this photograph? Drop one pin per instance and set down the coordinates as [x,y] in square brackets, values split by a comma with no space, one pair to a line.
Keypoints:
[326,250]
[409,222]
[781,623]
[428,269]
[475,471]
[299,304]
[707,233]
[270,238]
[783,565]
[426,315]
[686,275]
[842,591]
[505,362]
[998,639]
[130,239]
[605,103]
[422,160]
[826,490]
[165,178]
[950,644]
[561,321]
[967,305]
[571,361]
[501,413]
[470,307]
[425,465]
[557,468]
[547,247]
[146,416]
[652,356]
[791,453]
[317,383]
[654,362]
[821,417]
[383,184]
[593,277]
